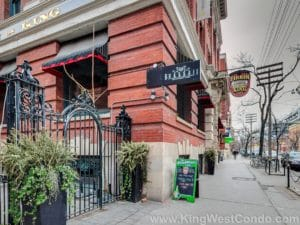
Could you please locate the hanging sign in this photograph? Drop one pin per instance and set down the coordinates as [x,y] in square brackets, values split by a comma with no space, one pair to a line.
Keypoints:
[239,83]
[185,179]
[182,73]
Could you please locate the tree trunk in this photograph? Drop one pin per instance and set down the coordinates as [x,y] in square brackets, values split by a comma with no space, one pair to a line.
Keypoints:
[261,138]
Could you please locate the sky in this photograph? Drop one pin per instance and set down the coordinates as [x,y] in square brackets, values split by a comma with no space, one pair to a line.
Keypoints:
[264,29]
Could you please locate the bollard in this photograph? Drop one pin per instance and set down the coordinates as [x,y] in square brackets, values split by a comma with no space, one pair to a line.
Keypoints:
[288,176]
[269,167]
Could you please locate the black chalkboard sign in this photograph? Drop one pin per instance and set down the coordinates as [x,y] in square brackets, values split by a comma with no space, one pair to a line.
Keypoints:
[185,179]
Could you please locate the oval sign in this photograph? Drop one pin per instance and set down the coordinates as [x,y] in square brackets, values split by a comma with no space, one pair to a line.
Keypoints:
[239,83]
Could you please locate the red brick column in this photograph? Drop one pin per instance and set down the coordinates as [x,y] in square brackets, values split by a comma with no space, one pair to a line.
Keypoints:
[53,84]
[4,9]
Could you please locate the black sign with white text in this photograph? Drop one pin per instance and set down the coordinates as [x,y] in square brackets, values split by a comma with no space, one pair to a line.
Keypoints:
[183,73]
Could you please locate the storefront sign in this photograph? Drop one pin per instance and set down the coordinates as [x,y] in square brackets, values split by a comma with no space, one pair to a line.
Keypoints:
[43,16]
[239,83]
[52,13]
[185,179]
[183,73]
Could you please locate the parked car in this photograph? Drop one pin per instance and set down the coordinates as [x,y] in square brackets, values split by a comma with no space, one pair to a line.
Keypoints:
[294,160]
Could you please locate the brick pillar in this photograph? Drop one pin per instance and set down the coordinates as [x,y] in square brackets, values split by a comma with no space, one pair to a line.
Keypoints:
[53,84]
[4,9]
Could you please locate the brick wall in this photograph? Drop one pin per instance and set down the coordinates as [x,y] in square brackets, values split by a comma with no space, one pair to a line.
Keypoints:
[137,41]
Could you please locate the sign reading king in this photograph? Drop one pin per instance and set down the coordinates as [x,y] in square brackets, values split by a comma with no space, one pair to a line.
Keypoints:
[239,83]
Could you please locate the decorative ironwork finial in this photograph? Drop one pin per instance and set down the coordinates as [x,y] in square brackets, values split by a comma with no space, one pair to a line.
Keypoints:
[26,73]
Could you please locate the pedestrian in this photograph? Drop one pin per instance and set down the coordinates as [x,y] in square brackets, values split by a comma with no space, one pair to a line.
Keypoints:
[235,152]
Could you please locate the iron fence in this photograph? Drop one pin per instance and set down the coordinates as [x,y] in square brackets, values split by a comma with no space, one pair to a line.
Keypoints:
[3,199]
[293,180]
[80,127]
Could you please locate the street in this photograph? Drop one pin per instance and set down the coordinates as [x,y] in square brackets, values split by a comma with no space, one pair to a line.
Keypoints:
[236,194]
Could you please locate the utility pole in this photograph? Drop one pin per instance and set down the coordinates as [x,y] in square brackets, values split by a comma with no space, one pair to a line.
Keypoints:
[267,75]
[251,118]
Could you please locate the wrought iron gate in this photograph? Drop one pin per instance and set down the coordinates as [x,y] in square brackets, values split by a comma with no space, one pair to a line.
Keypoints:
[79,126]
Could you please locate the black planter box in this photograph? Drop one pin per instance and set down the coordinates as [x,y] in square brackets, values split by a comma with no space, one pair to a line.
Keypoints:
[136,185]
[54,214]
[210,167]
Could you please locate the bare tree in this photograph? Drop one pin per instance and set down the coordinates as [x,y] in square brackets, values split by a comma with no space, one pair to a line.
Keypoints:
[264,101]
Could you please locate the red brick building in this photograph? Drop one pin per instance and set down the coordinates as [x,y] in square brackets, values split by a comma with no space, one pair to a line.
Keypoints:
[129,37]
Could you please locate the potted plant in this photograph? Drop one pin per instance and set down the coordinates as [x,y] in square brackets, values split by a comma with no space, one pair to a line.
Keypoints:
[210,157]
[133,161]
[39,176]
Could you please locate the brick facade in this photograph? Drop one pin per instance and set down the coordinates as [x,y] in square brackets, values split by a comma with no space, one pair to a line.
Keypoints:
[137,41]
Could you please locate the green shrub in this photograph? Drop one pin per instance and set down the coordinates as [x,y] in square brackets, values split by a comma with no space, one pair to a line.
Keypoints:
[34,166]
[130,156]
[210,154]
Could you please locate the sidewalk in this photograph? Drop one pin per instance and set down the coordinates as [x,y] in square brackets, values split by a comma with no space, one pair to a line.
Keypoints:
[236,193]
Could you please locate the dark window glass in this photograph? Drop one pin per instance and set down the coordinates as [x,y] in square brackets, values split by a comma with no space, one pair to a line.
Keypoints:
[2,96]
[184,102]
[201,117]
[14,7]
[72,90]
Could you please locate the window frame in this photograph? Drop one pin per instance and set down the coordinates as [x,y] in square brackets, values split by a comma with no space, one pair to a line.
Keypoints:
[14,7]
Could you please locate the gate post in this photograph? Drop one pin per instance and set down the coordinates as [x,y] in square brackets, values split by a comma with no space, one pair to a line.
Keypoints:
[123,121]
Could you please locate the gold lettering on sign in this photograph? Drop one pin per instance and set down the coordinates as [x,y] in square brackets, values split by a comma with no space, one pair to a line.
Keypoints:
[11,32]
[40,19]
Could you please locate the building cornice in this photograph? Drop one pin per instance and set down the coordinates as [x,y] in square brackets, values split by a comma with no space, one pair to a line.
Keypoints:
[183,23]
[97,12]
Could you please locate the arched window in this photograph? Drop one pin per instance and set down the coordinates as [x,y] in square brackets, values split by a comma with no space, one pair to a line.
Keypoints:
[14,7]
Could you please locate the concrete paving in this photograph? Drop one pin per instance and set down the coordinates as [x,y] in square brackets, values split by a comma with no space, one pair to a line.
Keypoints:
[236,194]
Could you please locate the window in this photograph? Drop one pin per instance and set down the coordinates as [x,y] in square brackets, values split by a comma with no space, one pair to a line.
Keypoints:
[184,103]
[14,7]
[72,90]
[201,116]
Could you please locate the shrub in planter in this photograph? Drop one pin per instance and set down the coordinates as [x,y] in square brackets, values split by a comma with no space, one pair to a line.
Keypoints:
[133,160]
[39,174]
[210,157]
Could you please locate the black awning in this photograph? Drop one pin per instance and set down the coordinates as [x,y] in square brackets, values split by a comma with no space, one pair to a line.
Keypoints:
[77,57]
[204,99]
